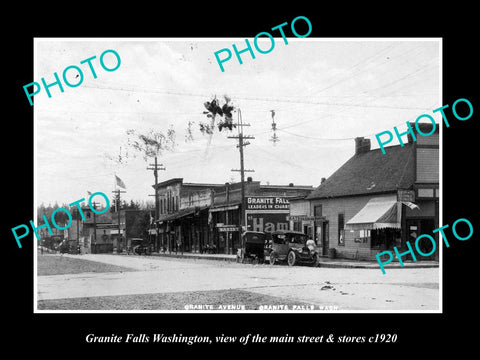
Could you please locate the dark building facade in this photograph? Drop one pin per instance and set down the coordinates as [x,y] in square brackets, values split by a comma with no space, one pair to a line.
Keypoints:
[182,225]
[197,217]
[264,208]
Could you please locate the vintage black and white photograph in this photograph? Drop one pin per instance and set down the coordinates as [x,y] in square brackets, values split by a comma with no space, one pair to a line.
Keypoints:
[274,174]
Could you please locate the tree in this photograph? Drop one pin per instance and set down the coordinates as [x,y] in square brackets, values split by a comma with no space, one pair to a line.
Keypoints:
[214,109]
[151,144]
[140,224]
[61,217]
[133,205]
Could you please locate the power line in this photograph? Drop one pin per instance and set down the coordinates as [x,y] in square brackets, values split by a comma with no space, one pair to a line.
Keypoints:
[355,66]
[316,138]
[276,100]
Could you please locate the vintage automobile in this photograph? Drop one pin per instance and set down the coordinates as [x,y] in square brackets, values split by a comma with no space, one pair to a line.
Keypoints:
[294,247]
[252,247]
[63,247]
[139,246]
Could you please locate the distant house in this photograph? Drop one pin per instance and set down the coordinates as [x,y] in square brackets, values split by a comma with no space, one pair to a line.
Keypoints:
[100,232]
[374,202]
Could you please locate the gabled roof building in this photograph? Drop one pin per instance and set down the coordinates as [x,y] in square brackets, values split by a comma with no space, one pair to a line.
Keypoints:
[377,201]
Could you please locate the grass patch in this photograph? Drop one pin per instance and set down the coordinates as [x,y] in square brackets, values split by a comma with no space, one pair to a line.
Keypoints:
[62,265]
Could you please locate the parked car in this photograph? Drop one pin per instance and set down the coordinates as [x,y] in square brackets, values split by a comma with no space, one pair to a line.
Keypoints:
[63,247]
[294,247]
[209,249]
[139,246]
[252,247]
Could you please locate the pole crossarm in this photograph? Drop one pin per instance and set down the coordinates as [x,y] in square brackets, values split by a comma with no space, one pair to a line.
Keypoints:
[241,144]
[155,167]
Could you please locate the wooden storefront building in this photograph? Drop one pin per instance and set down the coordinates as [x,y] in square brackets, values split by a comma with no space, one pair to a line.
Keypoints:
[377,201]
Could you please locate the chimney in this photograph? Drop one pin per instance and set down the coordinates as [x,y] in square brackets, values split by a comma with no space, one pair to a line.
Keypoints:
[322,181]
[362,145]
[249,179]
[290,185]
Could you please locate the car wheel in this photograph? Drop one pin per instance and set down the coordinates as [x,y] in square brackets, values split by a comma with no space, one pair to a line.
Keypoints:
[273,258]
[291,258]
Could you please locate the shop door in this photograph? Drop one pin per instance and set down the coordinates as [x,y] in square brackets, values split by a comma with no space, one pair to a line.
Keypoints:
[321,236]
[325,241]
[417,227]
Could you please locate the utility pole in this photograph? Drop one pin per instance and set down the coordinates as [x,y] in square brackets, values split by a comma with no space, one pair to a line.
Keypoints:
[155,169]
[227,221]
[242,170]
[118,206]
[94,223]
[78,230]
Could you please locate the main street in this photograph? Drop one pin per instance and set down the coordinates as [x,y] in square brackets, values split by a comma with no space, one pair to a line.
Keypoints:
[161,283]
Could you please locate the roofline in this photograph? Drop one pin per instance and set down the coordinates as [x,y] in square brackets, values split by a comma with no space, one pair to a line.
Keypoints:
[202,184]
[169,181]
[385,147]
[296,187]
[298,198]
[353,195]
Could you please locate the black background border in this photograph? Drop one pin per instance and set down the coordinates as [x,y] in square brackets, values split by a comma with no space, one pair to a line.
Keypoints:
[417,333]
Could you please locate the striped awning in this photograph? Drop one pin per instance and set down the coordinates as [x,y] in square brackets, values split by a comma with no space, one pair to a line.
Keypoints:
[378,213]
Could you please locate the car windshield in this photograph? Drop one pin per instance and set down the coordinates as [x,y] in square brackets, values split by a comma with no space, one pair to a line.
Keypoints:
[278,238]
[297,238]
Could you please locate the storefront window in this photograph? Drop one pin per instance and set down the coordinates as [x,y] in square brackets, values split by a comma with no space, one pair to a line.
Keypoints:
[425,193]
[385,238]
[297,226]
[362,236]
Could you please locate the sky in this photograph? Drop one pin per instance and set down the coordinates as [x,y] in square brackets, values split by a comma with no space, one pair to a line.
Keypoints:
[324,92]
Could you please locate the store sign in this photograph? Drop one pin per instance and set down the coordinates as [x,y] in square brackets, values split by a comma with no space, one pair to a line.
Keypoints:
[305,218]
[267,203]
[406,195]
[227,228]
[267,222]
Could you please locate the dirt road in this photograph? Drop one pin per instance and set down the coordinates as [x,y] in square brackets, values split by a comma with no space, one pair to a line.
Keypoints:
[341,289]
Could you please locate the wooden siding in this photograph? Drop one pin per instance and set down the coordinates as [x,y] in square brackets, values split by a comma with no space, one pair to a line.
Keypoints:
[427,165]
[349,206]
[427,140]
[191,197]
[300,207]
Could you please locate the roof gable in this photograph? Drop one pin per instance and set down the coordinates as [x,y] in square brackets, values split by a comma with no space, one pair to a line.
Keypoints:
[371,172]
